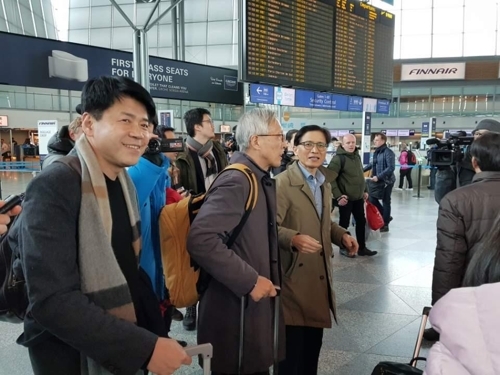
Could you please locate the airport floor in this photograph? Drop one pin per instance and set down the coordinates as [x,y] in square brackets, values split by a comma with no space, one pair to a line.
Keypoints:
[379,299]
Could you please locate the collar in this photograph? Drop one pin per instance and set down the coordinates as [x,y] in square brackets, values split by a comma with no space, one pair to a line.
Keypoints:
[319,176]
[486,176]
[241,157]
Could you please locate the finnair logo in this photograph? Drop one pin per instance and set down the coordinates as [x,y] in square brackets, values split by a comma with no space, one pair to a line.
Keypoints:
[432,72]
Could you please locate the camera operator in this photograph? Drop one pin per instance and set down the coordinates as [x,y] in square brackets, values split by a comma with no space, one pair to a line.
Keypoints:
[446,178]
[230,146]
[466,217]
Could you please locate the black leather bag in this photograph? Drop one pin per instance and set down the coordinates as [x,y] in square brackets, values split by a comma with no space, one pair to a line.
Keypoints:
[395,368]
[376,189]
[13,294]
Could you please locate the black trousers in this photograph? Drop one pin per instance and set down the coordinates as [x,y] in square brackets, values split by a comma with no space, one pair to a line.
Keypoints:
[405,173]
[357,209]
[303,345]
[53,356]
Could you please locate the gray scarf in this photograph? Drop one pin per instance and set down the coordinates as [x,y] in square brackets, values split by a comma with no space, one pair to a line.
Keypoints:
[204,151]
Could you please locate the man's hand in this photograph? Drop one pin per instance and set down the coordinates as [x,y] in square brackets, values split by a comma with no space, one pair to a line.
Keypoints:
[5,218]
[306,244]
[375,179]
[263,288]
[350,244]
[365,196]
[343,200]
[167,357]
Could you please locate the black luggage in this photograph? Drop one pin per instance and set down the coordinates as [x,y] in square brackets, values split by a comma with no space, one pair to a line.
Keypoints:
[244,301]
[395,368]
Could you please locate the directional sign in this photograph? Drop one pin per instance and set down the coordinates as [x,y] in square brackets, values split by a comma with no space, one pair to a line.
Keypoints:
[263,94]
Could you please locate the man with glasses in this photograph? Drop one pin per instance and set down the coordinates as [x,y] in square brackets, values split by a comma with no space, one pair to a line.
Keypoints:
[446,179]
[306,233]
[250,267]
[198,166]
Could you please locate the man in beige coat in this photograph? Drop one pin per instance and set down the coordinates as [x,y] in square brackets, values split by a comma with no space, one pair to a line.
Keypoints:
[306,233]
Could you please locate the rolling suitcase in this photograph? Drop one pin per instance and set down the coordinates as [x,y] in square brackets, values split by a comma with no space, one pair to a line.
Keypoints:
[244,302]
[205,351]
[395,368]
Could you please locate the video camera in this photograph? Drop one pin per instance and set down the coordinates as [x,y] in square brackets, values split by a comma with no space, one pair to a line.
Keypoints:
[156,145]
[449,151]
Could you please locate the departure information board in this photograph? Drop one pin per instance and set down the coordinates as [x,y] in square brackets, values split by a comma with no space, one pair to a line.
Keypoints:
[330,45]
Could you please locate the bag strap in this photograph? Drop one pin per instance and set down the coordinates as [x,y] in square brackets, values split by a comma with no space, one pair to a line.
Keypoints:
[251,199]
[342,162]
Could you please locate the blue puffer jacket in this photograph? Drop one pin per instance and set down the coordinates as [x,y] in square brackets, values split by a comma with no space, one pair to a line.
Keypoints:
[150,183]
[383,164]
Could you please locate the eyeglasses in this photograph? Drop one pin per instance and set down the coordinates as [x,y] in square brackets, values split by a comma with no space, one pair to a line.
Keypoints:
[209,121]
[282,136]
[310,145]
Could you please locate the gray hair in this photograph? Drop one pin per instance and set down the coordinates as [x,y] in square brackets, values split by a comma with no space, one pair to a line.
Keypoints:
[254,122]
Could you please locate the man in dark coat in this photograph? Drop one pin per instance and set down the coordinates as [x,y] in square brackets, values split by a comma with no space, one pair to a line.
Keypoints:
[466,217]
[251,266]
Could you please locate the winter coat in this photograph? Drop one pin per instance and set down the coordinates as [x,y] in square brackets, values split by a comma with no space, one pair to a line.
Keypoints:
[466,217]
[350,179]
[234,271]
[469,344]
[307,294]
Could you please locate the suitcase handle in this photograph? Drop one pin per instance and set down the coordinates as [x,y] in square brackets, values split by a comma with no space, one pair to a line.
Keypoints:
[206,352]
[420,337]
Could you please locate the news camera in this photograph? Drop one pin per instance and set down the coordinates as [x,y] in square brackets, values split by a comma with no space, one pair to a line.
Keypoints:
[155,146]
[449,151]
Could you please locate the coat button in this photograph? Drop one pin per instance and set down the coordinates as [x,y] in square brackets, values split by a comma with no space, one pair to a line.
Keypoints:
[271,224]
[322,253]
[322,277]
[301,264]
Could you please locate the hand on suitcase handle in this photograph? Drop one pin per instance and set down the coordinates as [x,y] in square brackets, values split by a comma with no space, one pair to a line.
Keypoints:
[263,288]
[167,357]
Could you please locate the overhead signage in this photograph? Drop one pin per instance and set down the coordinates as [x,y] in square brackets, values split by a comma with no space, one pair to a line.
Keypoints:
[262,94]
[46,129]
[391,133]
[403,132]
[383,106]
[322,100]
[355,104]
[334,133]
[304,98]
[66,66]
[369,105]
[166,118]
[4,121]
[225,128]
[412,132]
[340,102]
[433,72]
[425,129]
[283,96]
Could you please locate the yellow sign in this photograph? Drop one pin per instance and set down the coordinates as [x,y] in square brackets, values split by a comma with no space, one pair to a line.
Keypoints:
[286,116]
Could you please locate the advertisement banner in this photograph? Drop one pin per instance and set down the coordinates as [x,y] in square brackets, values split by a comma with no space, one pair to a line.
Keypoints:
[46,129]
[37,62]
[432,72]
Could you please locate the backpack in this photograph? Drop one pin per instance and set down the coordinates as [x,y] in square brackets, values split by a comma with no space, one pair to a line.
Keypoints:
[13,294]
[411,158]
[184,279]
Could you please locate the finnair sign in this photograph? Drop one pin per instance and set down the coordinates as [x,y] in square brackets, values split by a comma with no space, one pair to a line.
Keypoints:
[432,72]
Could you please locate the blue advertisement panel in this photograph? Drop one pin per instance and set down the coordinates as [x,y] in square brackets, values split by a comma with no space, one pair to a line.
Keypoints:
[263,94]
[355,104]
[37,62]
[322,100]
[340,102]
[425,129]
[304,98]
[383,106]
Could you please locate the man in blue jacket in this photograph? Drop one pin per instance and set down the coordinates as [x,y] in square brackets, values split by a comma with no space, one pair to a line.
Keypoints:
[383,178]
[151,178]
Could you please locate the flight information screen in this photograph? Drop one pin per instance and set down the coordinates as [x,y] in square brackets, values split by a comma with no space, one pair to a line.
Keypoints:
[332,45]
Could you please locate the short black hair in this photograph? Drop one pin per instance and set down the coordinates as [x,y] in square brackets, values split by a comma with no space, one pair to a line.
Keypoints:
[101,93]
[311,128]
[381,135]
[486,151]
[290,134]
[194,117]
[160,130]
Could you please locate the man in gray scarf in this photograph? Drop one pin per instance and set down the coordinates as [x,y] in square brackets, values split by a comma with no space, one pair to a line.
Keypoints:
[198,166]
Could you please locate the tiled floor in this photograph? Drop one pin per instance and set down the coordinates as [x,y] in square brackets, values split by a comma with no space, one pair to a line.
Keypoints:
[379,298]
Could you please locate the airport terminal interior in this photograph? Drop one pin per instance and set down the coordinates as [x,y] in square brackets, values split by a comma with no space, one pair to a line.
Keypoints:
[412,70]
